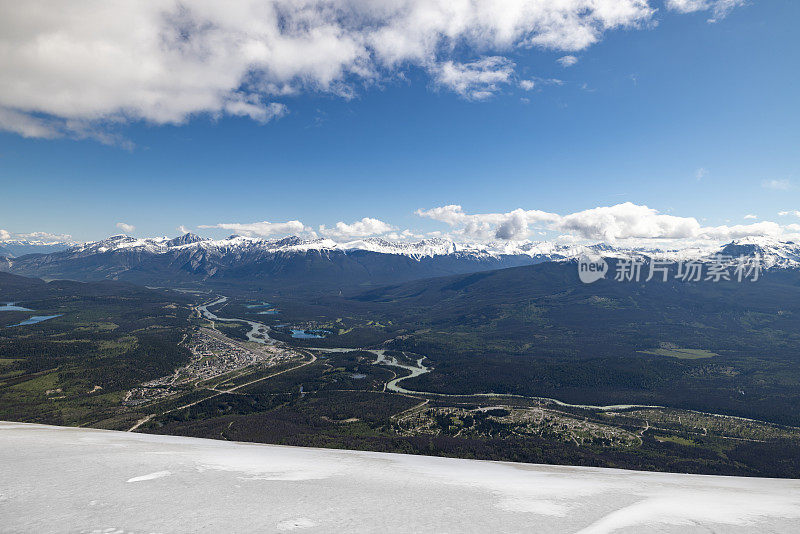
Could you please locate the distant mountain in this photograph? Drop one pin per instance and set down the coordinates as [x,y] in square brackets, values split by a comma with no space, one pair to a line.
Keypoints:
[19,247]
[286,264]
[293,264]
[774,253]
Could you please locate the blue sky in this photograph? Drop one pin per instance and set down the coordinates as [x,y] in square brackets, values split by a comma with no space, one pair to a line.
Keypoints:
[691,118]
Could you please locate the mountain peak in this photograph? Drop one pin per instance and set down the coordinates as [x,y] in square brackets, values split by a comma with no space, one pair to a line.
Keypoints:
[185,239]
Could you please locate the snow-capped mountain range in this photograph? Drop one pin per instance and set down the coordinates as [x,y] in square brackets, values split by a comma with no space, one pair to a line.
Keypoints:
[773,252]
[12,248]
[294,262]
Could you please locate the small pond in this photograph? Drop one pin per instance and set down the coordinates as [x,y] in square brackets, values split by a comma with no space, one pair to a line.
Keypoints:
[308,334]
[35,319]
[10,306]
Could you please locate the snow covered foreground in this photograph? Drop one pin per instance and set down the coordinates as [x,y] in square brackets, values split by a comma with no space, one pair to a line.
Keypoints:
[55,479]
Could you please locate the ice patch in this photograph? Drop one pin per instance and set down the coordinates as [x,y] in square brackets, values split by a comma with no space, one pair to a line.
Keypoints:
[151,476]
[741,508]
[283,464]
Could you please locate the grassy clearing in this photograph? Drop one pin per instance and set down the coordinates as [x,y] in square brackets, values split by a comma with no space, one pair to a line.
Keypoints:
[96,327]
[675,439]
[683,354]
[40,384]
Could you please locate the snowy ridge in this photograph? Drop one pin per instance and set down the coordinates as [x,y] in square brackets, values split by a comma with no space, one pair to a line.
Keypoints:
[773,253]
[20,247]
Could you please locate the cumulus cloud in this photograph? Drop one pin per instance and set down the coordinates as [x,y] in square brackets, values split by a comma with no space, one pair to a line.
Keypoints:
[796,213]
[4,235]
[263,228]
[363,228]
[622,222]
[626,221]
[567,61]
[751,216]
[82,69]
[125,227]
[514,227]
[182,229]
[509,226]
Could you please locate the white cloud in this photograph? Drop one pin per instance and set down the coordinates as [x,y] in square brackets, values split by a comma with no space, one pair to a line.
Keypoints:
[779,185]
[795,213]
[251,106]
[84,69]
[5,235]
[263,228]
[46,236]
[363,228]
[751,216]
[719,8]
[700,173]
[726,233]
[533,83]
[183,230]
[125,227]
[567,61]
[477,80]
[621,222]
[515,227]
[626,221]
[26,125]
[408,234]
[511,225]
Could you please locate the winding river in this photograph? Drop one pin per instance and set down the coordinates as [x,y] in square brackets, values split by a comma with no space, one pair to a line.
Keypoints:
[259,333]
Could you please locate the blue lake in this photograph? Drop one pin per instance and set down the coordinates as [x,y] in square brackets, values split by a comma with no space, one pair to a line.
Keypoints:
[307,334]
[9,306]
[35,319]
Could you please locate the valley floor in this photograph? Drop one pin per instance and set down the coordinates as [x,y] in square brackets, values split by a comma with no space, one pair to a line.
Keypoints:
[157,364]
[352,398]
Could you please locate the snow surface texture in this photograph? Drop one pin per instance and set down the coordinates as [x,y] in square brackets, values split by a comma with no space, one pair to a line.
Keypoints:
[58,479]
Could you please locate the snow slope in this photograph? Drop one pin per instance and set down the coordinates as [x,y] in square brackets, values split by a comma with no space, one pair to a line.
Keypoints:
[57,479]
